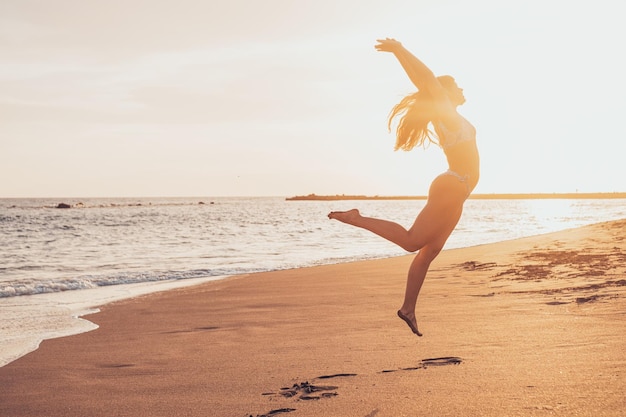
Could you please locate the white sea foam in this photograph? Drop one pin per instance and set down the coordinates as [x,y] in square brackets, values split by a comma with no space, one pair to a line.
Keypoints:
[27,321]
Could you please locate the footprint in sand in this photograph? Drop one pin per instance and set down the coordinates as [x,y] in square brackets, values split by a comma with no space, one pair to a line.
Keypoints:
[447,360]
[275,412]
[556,303]
[116,365]
[333,376]
[195,329]
[303,390]
[425,363]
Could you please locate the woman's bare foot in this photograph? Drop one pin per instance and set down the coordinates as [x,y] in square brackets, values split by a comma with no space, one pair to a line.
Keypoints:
[345,216]
[409,319]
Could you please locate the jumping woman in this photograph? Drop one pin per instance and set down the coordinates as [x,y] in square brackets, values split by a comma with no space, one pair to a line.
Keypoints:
[433,105]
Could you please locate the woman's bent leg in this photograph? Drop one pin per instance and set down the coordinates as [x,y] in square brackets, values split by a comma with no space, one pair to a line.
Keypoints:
[415,279]
[419,268]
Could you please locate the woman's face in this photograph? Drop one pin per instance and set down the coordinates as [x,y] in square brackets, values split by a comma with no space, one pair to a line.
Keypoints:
[455,93]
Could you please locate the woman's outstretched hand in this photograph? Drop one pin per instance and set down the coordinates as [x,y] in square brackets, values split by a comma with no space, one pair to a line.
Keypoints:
[387,45]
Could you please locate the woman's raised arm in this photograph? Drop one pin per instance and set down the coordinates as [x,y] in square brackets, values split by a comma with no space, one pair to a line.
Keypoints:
[419,74]
[425,80]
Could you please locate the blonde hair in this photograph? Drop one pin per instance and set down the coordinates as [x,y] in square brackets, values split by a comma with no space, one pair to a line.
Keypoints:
[415,115]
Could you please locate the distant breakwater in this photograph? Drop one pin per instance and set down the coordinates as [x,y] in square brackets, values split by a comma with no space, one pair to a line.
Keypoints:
[495,196]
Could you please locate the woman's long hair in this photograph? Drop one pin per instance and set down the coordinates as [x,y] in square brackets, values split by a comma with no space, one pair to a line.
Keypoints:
[415,113]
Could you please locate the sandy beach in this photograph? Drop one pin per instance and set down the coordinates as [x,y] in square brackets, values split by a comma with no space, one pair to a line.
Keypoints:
[530,327]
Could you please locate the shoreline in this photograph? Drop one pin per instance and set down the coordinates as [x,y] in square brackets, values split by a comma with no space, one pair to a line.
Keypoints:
[521,327]
[61,314]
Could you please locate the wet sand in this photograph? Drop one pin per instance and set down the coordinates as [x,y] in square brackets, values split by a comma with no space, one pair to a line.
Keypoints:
[531,327]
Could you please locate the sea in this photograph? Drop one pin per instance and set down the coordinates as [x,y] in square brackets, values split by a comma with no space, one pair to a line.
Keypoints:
[58,264]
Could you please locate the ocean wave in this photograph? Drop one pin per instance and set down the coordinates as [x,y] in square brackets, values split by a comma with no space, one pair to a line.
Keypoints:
[145,240]
[33,287]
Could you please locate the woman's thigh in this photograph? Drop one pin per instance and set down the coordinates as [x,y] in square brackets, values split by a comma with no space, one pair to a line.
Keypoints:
[441,213]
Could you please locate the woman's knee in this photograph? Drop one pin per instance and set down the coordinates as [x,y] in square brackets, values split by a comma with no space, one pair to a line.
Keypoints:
[413,245]
[430,252]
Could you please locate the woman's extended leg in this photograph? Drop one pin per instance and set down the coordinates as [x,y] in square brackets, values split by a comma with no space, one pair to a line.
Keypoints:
[384,228]
[430,223]
[446,196]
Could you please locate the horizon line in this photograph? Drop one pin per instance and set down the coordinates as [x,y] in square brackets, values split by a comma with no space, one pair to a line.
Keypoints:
[477,196]
[500,195]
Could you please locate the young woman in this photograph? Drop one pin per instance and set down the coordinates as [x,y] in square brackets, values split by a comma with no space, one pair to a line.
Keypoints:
[434,104]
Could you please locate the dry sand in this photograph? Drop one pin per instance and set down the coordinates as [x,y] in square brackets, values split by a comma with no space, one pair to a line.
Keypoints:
[531,327]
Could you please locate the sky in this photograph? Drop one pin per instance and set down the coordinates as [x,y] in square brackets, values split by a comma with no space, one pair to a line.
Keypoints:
[136,98]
